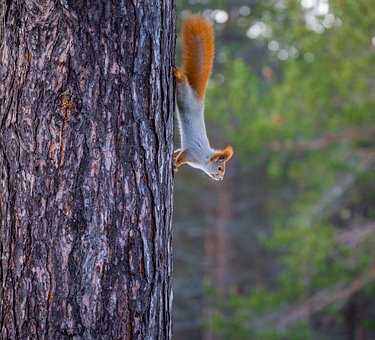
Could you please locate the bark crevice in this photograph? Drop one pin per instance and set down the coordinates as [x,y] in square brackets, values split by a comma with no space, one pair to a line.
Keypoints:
[86,114]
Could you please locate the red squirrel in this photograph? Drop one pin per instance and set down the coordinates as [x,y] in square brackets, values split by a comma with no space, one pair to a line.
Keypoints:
[197,59]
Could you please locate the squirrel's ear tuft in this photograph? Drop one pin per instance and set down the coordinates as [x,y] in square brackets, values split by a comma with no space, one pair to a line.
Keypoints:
[227,153]
[223,155]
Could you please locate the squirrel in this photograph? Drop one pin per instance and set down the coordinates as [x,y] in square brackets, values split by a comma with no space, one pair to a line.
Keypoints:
[191,79]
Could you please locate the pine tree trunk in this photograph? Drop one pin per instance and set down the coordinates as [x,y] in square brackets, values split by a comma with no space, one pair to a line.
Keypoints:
[218,249]
[86,112]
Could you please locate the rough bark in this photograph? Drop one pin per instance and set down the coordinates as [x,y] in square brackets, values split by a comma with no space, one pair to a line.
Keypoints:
[86,112]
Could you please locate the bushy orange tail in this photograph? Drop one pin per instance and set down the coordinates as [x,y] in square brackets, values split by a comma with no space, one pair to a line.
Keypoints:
[197,52]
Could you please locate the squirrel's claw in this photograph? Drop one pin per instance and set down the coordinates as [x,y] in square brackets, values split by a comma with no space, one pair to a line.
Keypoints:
[176,153]
[179,75]
[175,167]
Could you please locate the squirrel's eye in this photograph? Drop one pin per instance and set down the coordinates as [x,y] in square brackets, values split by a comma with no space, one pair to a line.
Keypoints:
[220,168]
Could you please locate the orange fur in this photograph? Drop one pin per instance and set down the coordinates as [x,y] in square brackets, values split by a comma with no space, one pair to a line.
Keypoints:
[197,52]
[180,75]
[225,155]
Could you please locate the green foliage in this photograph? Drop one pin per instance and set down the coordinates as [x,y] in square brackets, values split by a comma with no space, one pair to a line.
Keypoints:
[266,108]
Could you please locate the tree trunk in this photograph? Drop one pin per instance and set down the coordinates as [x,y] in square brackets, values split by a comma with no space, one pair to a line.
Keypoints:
[86,114]
[218,249]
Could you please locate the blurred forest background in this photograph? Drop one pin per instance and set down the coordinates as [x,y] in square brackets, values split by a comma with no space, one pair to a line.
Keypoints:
[284,248]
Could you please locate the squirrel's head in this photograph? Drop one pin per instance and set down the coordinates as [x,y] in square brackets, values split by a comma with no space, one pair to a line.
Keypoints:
[215,167]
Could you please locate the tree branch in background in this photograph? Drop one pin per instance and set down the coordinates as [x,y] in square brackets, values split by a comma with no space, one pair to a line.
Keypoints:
[331,200]
[356,235]
[286,316]
[282,319]
[349,135]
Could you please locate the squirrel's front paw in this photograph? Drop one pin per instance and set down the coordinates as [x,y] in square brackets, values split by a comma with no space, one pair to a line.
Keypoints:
[179,75]
[176,153]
